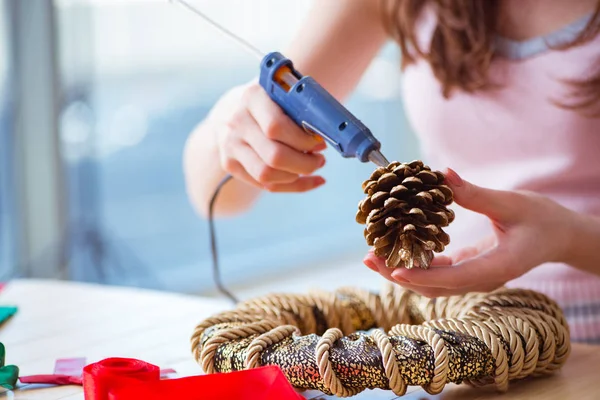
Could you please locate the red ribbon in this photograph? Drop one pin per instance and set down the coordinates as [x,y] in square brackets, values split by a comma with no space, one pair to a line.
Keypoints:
[111,374]
[131,379]
[52,379]
[69,371]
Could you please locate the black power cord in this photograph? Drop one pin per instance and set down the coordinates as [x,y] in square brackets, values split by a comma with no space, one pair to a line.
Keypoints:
[213,242]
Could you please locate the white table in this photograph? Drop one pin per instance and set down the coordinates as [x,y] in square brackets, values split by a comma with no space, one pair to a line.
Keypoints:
[64,319]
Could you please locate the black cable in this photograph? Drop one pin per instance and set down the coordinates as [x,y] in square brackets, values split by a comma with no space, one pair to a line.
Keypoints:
[213,241]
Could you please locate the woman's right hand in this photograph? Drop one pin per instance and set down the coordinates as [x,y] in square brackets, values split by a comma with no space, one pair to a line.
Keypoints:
[247,135]
[260,145]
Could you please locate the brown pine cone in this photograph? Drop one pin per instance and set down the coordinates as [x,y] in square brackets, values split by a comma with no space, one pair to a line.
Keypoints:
[404,212]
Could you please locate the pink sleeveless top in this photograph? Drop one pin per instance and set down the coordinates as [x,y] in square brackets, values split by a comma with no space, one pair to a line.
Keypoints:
[514,138]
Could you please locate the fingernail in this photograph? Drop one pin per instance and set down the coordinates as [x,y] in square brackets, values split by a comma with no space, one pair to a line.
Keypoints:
[318,181]
[398,277]
[370,265]
[453,177]
[322,163]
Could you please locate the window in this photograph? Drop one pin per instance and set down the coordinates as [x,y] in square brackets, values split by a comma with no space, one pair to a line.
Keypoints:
[137,77]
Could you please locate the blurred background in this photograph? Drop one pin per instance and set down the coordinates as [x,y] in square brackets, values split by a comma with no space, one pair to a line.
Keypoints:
[97,98]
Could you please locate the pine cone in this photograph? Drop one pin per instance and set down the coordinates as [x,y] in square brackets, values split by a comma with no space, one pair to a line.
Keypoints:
[404,212]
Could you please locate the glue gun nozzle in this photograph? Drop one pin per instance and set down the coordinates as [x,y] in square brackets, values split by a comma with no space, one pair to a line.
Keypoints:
[378,159]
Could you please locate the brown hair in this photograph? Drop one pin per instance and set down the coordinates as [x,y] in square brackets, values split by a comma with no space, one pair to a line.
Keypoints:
[461,49]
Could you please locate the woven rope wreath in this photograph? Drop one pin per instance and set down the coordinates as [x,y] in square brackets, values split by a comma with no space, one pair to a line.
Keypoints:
[478,338]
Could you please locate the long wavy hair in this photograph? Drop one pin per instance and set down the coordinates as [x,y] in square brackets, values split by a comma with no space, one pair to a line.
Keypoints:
[461,51]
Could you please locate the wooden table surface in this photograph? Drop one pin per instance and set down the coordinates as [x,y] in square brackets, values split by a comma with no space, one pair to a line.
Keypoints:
[63,319]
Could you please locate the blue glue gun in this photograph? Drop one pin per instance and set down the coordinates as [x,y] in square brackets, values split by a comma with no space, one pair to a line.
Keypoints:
[316,111]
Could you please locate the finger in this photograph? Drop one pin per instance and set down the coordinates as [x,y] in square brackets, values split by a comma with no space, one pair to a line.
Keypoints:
[496,204]
[440,260]
[276,125]
[377,264]
[258,170]
[282,157]
[237,170]
[472,251]
[495,265]
[464,254]
[320,147]
[374,262]
[302,184]
[372,265]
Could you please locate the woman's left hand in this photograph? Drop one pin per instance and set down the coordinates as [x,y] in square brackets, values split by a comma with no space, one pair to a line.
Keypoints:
[529,230]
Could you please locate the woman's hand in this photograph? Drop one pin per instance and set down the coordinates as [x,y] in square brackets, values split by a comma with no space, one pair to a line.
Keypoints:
[247,135]
[260,145]
[529,230]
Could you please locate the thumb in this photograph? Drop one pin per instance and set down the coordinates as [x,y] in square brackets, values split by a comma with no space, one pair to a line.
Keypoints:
[496,204]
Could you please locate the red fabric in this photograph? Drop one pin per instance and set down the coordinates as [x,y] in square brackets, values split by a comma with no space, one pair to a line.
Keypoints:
[54,379]
[164,373]
[69,371]
[113,373]
[141,381]
[266,383]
